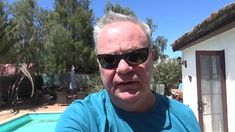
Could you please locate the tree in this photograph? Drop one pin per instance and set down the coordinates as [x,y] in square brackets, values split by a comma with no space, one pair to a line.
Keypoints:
[20,44]
[3,24]
[159,43]
[55,40]
[5,41]
[2,20]
[24,31]
[77,18]
[117,8]
[168,72]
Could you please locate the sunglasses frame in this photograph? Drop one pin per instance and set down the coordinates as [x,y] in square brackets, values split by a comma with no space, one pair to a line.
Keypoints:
[124,56]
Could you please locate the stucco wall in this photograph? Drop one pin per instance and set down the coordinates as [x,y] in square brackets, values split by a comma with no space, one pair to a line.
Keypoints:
[224,41]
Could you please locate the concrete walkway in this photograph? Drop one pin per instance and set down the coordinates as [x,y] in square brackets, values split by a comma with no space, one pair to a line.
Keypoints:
[7,114]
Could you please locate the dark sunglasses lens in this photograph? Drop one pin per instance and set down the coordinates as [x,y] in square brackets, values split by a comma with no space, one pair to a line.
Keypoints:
[137,57]
[107,61]
[133,58]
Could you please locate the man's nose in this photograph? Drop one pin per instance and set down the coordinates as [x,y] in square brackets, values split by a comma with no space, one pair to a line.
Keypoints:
[123,67]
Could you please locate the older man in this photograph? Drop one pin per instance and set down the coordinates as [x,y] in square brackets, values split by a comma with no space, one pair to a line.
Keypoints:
[125,57]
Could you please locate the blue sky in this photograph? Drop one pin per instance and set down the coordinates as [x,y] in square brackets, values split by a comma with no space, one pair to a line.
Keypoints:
[173,17]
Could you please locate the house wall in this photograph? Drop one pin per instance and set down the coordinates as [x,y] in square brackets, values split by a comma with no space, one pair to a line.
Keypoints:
[224,41]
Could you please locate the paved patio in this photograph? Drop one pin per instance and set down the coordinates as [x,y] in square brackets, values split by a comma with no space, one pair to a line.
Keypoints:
[7,114]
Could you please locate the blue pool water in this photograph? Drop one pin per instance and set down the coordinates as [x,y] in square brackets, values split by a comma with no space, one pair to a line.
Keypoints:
[40,122]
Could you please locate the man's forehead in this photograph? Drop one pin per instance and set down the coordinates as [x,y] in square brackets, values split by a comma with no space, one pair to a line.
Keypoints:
[120,24]
[121,37]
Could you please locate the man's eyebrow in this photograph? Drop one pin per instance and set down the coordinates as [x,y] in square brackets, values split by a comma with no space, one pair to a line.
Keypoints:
[120,53]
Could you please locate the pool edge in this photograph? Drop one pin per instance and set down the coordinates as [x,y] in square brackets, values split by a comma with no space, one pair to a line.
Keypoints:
[24,114]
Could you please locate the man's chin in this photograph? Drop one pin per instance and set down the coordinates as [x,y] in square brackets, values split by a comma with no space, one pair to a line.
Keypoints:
[129,96]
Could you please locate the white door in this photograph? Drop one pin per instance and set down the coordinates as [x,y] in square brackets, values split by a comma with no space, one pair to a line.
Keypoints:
[211,91]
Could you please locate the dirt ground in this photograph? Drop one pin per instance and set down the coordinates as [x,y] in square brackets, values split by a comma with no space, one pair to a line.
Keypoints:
[9,113]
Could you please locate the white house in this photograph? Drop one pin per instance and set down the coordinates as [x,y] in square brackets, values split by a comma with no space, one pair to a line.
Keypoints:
[208,70]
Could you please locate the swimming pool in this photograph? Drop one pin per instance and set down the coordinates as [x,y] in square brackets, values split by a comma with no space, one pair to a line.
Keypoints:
[36,122]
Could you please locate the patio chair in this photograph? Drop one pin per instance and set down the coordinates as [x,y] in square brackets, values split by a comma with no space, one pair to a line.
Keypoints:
[62,98]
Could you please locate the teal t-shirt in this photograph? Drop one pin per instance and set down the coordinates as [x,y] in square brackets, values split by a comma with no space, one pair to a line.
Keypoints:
[96,113]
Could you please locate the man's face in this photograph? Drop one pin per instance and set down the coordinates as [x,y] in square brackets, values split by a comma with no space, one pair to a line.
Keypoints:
[125,84]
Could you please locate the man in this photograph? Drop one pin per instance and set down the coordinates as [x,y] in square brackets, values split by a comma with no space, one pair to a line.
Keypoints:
[125,57]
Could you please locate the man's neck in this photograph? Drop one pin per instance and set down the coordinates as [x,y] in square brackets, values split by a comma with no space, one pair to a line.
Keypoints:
[142,105]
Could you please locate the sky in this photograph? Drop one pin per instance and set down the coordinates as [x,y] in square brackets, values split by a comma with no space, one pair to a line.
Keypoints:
[172,17]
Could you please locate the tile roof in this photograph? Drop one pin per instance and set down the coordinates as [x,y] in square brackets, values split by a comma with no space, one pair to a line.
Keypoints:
[218,19]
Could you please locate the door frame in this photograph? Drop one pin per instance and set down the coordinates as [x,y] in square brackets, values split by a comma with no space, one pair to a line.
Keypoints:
[223,85]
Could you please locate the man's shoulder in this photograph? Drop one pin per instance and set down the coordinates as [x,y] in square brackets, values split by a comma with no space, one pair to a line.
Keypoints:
[180,114]
[93,104]
[93,99]
[171,103]
[175,107]
[84,114]
[100,95]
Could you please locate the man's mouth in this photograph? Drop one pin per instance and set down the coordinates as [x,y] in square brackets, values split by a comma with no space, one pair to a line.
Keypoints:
[130,86]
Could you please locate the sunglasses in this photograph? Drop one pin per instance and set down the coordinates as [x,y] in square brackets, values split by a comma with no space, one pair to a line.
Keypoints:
[133,58]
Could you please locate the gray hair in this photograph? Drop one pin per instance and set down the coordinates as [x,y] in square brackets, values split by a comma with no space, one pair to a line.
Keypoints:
[111,17]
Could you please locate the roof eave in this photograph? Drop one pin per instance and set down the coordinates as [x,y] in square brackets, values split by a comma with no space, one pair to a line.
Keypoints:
[211,24]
